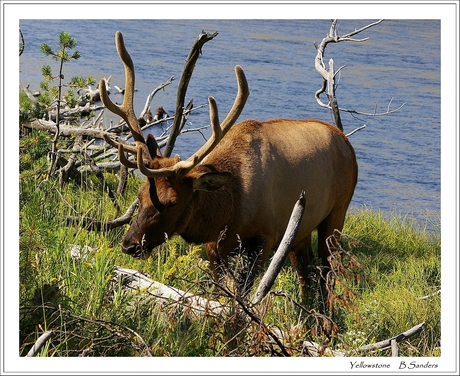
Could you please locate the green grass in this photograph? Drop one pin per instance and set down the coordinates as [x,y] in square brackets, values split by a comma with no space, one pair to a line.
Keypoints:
[396,263]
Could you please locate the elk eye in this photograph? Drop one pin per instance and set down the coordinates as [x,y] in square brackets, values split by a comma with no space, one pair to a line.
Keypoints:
[172,203]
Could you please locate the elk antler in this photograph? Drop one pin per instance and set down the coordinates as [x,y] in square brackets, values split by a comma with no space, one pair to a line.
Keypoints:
[218,131]
[126,111]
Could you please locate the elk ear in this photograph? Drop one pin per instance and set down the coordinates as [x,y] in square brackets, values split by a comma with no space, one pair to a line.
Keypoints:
[210,181]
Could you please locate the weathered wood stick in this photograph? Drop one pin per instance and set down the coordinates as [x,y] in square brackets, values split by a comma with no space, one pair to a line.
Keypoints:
[40,342]
[280,255]
[388,342]
[136,280]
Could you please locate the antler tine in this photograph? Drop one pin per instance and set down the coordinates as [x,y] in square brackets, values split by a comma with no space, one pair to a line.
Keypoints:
[218,131]
[240,100]
[123,160]
[126,110]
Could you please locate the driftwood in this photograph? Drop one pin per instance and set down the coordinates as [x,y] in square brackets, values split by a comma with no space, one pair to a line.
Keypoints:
[30,95]
[383,345]
[320,350]
[152,94]
[135,280]
[93,95]
[66,130]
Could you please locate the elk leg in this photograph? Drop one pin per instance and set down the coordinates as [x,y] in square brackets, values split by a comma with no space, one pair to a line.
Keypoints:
[301,257]
[218,265]
[334,221]
[257,251]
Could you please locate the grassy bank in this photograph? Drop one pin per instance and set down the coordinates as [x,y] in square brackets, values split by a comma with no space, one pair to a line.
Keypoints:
[66,283]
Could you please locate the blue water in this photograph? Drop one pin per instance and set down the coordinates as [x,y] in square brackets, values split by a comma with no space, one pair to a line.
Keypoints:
[398,154]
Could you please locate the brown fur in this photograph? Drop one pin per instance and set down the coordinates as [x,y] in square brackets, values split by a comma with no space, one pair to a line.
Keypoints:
[269,164]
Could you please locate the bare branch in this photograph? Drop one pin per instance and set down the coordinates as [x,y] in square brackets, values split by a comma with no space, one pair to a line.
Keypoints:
[388,111]
[183,84]
[349,35]
[92,224]
[22,44]
[356,130]
[387,343]
[152,94]
[40,342]
[329,75]
[281,253]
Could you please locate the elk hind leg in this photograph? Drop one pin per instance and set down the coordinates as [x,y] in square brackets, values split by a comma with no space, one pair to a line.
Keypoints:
[334,221]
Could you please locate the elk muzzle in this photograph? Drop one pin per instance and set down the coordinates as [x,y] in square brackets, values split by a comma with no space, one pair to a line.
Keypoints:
[139,250]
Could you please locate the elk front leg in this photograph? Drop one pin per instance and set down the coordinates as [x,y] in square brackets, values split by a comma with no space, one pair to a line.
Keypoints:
[217,264]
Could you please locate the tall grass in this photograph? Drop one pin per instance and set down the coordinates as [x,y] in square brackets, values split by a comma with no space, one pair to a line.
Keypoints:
[397,263]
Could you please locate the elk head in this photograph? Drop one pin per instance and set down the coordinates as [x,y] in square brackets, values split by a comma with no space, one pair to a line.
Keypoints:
[171,182]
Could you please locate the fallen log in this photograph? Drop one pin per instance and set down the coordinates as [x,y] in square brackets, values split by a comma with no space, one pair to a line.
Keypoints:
[136,280]
[66,130]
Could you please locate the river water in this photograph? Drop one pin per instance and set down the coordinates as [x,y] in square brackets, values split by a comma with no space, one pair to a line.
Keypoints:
[399,154]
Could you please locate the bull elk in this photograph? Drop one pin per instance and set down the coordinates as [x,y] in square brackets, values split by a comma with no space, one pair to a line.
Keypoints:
[239,190]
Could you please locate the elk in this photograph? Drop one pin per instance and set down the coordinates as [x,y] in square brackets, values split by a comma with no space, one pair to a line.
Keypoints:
[238,189]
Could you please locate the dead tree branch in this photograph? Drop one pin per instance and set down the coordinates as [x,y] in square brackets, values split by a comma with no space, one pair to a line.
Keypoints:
[189,66]
[22,44]
[281,253]
[387,344]
[40,342]
[320,350]
[92,224]
[152,94]
[329,75]
[138,281]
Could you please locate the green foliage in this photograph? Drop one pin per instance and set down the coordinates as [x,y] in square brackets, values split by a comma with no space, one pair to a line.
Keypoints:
[52,93]
[66,284]
[32,151]
[402,264]
[28,110]
[66,42]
